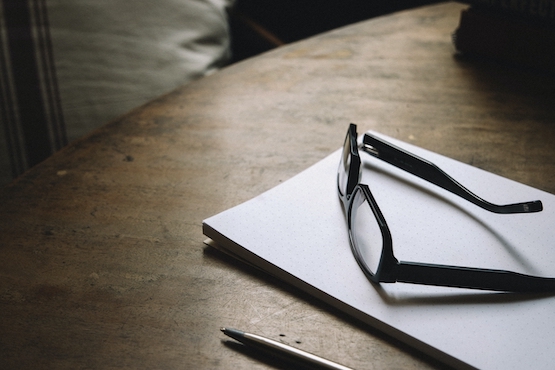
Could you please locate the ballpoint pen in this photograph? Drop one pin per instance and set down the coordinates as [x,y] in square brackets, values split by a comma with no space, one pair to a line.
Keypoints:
[282,349]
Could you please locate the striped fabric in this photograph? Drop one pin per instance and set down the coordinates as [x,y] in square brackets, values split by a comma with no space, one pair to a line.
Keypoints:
[30,109]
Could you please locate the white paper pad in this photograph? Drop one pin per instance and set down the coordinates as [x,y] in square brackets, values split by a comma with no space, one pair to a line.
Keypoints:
[297,231]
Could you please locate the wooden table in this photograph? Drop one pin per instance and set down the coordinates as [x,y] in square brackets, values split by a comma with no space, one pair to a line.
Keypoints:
[102,261]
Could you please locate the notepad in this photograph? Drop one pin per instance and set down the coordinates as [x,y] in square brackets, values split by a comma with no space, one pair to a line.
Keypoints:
[297,232]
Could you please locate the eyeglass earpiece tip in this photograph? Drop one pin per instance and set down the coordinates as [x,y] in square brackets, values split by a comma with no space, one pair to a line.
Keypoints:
[535,206]
[527,207]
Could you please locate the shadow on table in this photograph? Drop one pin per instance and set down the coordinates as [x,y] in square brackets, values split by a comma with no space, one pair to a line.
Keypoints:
[523,93]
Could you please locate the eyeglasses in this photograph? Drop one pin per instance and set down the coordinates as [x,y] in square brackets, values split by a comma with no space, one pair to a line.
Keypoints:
[371,240]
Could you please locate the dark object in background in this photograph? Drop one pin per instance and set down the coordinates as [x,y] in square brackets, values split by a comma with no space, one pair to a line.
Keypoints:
[538,12]
[260,25]
[506,39]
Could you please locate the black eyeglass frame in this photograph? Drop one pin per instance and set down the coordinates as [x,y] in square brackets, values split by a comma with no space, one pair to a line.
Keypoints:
[390,269]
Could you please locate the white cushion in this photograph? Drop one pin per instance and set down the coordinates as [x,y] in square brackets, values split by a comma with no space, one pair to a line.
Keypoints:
[114,55]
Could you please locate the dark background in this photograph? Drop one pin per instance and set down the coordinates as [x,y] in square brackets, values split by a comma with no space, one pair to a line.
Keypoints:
[260,25]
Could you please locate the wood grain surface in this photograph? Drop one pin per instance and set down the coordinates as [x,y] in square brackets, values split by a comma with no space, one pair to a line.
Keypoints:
[102,261]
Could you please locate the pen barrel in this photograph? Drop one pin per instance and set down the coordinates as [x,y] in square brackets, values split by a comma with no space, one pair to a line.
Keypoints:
[288,352]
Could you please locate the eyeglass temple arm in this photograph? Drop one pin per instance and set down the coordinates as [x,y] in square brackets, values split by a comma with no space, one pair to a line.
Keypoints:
[472,278]
[432,173]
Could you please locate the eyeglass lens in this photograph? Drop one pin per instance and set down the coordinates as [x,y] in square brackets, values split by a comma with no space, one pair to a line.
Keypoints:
[344,167]
[365,232]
